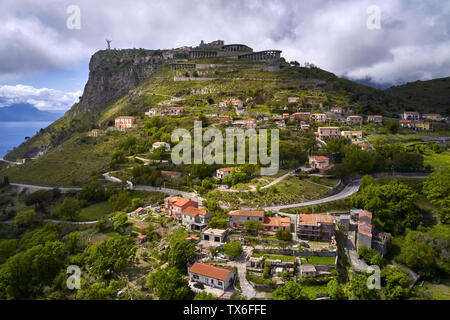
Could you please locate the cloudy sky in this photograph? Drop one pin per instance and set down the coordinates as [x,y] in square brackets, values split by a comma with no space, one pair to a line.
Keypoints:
[44,62]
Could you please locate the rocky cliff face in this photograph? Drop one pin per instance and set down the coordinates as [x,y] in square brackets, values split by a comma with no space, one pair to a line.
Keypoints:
[112,73]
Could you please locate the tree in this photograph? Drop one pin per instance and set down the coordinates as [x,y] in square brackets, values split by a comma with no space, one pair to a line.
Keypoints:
[335,290]
[73,242]
[25,218]
[169,284]
[7,249]
[361,161]
[120,200]
[120,221]
[266,271]
[100,291]
[417,255]
[408,161]
[396,283]
[70,209]
[437,190]
[205,296]
[393,126]
[92,191]
[36,267]
[181,253]
[233,249]
[110,255]
[290,291]
[219,221]
[393,206]
[371,256]
[253,226]
[366,180]
[283,235]
[358,289]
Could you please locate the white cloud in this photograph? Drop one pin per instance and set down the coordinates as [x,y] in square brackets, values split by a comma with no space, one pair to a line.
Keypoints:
[333,35]
[43,99]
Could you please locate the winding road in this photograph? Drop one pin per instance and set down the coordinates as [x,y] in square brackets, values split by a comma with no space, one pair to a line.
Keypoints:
[349,189]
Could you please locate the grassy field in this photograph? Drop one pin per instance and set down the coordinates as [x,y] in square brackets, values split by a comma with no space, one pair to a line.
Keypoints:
[70,164]
[95,211]
[438,160]
[274,256]
[326,261]
[287,191]
[439,291]
[342,205]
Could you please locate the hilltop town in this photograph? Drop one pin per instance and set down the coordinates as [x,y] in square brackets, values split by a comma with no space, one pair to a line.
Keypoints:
[362,182]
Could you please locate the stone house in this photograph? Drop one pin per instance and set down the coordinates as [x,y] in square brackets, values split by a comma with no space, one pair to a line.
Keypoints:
[315,227]
[354,136]
[176,111]
[318,117]
[124,122]
[328,132]
[273,224]
[237,218]
[215,235]
[354,119]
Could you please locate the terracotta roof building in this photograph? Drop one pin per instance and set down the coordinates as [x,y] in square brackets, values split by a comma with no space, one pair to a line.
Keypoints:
[237,218]
[315,227]
[211,276]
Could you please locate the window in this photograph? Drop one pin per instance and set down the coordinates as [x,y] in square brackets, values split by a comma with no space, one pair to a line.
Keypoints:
[219,283]
[195,276]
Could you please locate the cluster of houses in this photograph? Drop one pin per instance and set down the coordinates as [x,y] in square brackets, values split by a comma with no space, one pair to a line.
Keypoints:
[308,227]
[165,111]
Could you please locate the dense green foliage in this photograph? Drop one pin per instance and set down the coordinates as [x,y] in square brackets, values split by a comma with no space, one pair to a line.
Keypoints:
[392,205]
[233,249]
[169,284]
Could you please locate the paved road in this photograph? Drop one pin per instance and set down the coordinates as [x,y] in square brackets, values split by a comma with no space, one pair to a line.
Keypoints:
[349,190]
[172,192]
[35,188]
[241,265]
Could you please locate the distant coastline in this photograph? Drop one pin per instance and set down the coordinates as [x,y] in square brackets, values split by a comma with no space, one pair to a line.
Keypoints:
[13,133]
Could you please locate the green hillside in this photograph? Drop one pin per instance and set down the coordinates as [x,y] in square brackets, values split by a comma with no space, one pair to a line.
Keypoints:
[71,158]
[431,96]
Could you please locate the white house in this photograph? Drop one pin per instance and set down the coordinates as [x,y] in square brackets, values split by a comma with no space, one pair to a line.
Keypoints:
[195,219]
[211,276]
[414,116]
[223,172]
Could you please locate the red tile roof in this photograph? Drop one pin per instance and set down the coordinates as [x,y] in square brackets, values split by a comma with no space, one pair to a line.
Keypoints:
[210,271]
[192,211]
[181,202]
[314,219]
[365,213]
[320,158]
[226,169]
[171,173]
[277,221]
[247,213]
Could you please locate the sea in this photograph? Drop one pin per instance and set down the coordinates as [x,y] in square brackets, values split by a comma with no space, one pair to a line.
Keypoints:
[13,133]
